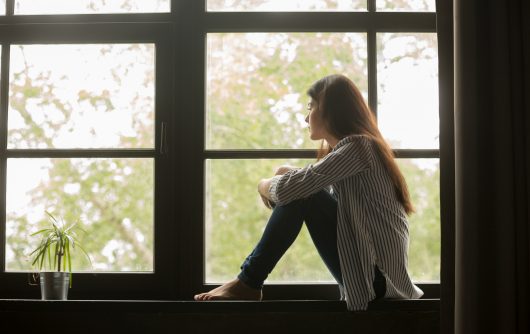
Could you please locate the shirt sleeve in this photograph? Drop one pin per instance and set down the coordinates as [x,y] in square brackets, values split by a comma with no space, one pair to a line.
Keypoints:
[352,158]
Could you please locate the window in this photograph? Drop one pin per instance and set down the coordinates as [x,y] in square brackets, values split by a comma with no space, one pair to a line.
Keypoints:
[285,5]
[82,117]
[27,7]
[105,118]
[81,97]
[407,5]
[257,74]
[268,74]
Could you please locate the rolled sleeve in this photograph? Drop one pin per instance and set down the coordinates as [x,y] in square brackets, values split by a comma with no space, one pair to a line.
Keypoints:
[350,159]
[273,188]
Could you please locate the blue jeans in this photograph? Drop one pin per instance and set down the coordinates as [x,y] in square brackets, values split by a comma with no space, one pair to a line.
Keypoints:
[319,212]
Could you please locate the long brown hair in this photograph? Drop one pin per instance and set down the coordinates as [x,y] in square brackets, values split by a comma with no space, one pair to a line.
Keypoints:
[345,113]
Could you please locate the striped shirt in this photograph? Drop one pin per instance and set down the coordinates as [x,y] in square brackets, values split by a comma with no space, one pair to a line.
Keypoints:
[372,226]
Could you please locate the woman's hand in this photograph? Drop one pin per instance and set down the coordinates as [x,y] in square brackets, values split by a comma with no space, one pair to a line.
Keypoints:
[265,184]
[268,203]
[263,189]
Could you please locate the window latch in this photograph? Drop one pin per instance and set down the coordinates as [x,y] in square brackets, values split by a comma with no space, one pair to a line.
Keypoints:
[163,138]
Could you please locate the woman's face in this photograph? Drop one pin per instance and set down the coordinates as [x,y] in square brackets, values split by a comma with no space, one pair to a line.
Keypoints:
[317,129]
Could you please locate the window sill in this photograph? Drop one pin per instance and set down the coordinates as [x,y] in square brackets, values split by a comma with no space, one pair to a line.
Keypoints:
[284,306]
[150,316]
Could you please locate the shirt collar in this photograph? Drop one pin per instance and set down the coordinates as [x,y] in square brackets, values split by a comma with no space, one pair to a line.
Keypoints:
[346,140]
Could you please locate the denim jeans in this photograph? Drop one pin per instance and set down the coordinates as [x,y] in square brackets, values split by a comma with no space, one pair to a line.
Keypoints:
[319,212]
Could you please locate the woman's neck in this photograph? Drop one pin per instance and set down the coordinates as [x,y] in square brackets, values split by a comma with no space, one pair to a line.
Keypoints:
[332,141]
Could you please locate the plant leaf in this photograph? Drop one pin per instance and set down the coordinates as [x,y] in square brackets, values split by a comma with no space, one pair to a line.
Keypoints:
[49,256]
[39,251]
[84,251]
[56,255]
[69,228]
[40,231]
[51,216]
[66,249]
[71,239]
[42,256]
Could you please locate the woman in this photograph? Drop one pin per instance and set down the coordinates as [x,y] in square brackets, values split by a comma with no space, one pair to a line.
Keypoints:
[354,202]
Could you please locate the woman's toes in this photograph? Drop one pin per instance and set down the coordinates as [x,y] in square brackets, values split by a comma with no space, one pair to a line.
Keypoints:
[200,296]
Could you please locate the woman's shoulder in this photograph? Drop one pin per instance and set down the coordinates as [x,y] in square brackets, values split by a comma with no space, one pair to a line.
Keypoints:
[357,147]
[354,141]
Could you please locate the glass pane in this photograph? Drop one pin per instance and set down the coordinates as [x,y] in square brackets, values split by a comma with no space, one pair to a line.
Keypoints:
[285,5]
[82,96]
[111,198]
[423,179]
[407,77]
[2,7]
[407,5]
[236,217]
[257,83]
[90,6]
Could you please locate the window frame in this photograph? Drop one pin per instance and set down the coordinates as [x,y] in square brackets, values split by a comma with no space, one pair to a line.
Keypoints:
[180,38]
[96,285]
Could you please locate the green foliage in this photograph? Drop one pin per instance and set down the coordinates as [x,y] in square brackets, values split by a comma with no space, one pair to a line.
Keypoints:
[56,245]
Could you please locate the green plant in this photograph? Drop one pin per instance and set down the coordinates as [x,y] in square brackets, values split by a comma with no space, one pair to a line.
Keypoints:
[54,250]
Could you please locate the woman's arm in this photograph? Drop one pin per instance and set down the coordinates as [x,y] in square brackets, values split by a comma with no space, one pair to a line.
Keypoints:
[265,184]
[350,159]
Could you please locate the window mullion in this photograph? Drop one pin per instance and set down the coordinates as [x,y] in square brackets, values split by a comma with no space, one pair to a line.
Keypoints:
[10,7]
[4,96]
[371,5]
[372,70]
[80,153]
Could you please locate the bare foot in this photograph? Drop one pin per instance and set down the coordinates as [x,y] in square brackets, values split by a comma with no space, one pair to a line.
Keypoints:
[233,290]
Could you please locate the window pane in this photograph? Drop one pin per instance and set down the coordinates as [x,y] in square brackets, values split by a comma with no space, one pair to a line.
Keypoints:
[407,76]
[285,5]
[2,7]
[111,198]
[82,96]
[406,5]
[236,217]
[257,83]
[423,179]
[90,6]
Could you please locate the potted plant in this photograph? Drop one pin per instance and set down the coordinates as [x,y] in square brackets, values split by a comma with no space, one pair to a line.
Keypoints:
[55,252]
